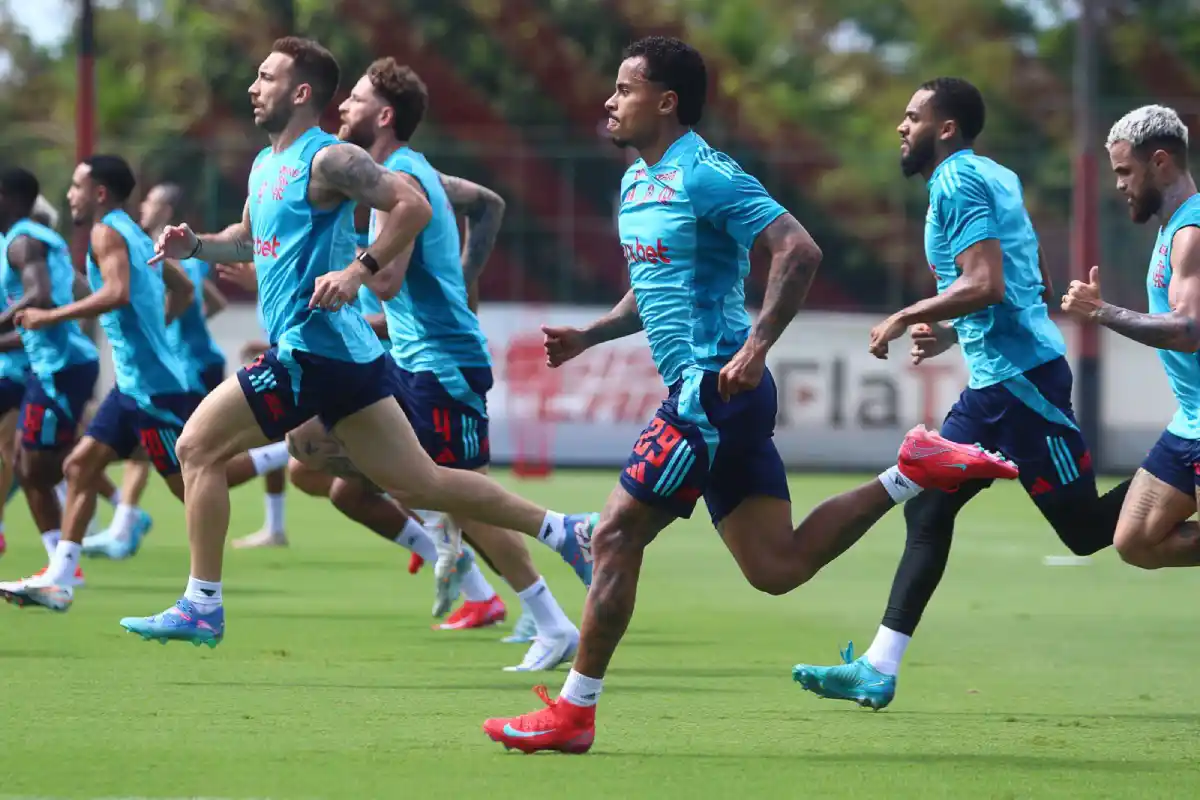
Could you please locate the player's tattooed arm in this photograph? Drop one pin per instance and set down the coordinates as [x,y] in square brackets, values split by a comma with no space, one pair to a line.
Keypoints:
[1179,328]
[484,211]
[980,284]
[624,320]
[28,256]
[794,258]
[349,171]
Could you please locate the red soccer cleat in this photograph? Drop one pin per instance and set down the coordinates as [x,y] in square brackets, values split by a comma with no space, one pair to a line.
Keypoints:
[415,562]
[477,614]
[559,726]
[933,462]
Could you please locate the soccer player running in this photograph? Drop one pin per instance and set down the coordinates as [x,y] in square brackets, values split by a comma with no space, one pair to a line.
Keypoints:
[189,337]
[444,368]
[1148,150]
[325,361]
[36,272]
[992,284]
[690,222]
[152,397]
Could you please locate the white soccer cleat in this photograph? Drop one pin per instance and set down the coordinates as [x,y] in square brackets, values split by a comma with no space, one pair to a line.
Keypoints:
[37,591]
[545,654]
[449,569]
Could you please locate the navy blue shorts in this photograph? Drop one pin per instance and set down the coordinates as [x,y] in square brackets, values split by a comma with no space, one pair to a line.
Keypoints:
[449,415]
[212,376]
[1030,420]
[698,444]
[283,396]
[50,416]
[1175,461]
[11,394]
[122,424]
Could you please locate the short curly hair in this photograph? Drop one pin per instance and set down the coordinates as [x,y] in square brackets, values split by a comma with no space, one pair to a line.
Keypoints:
[401,88]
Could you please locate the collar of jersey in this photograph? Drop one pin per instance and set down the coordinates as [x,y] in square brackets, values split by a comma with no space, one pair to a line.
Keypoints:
[965,151]
[670,151]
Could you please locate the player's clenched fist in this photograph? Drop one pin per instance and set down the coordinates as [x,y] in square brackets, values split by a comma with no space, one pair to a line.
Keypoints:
[1082,299]
[562,344]
[176,241]
[335,289]
[931,340]
[743,372]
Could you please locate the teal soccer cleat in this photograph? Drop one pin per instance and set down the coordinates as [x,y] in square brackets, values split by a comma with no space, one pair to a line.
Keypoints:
[854,679]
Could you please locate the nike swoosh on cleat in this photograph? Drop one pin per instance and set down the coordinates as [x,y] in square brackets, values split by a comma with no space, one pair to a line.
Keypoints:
[923,453]
[963,467]
[509,730]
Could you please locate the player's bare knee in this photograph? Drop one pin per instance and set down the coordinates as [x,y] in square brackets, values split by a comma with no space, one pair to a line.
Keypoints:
[78,470]
[619,537]
[196,450]
[776,577]
[1134,549]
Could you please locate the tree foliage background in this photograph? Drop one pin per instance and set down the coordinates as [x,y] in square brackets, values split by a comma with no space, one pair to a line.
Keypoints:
[807,95]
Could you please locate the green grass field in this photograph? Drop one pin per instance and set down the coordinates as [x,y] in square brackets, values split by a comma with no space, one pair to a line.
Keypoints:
[1026,681]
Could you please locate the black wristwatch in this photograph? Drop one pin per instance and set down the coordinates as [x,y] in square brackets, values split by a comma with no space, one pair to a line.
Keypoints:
[368,261]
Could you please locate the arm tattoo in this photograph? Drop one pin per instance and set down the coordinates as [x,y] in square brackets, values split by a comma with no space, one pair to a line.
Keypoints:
[350,170]
[484,210]
[1171,331]
[794,261]
[623,320]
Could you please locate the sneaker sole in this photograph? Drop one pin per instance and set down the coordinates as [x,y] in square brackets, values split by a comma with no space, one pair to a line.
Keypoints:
[575,747]
[151,637]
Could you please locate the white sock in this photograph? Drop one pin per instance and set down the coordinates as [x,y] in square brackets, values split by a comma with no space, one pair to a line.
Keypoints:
[60,491]
[115,497]
[898,487]
[269,458]
[887,651]
[554,531]
[418,540]
[540,602]
[204,595]
[475,587]
[580,690]
[63,563]
[275,513]
[122,522]
[50,541]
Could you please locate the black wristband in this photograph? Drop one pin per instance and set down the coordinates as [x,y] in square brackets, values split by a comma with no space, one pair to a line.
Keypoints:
[198,247]
[368,261]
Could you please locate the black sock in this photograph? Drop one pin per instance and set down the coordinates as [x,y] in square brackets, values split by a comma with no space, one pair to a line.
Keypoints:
[930,519]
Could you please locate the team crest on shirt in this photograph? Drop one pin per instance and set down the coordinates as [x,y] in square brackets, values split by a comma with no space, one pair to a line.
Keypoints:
[1160,275]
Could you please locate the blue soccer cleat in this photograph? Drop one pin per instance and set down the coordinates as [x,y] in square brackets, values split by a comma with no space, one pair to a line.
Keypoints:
[854,679]
[106,544]
[524,631]
[577,546]
[181,623]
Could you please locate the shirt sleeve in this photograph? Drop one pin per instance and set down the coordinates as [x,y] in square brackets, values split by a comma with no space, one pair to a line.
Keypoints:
[723,195]
[964,209]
